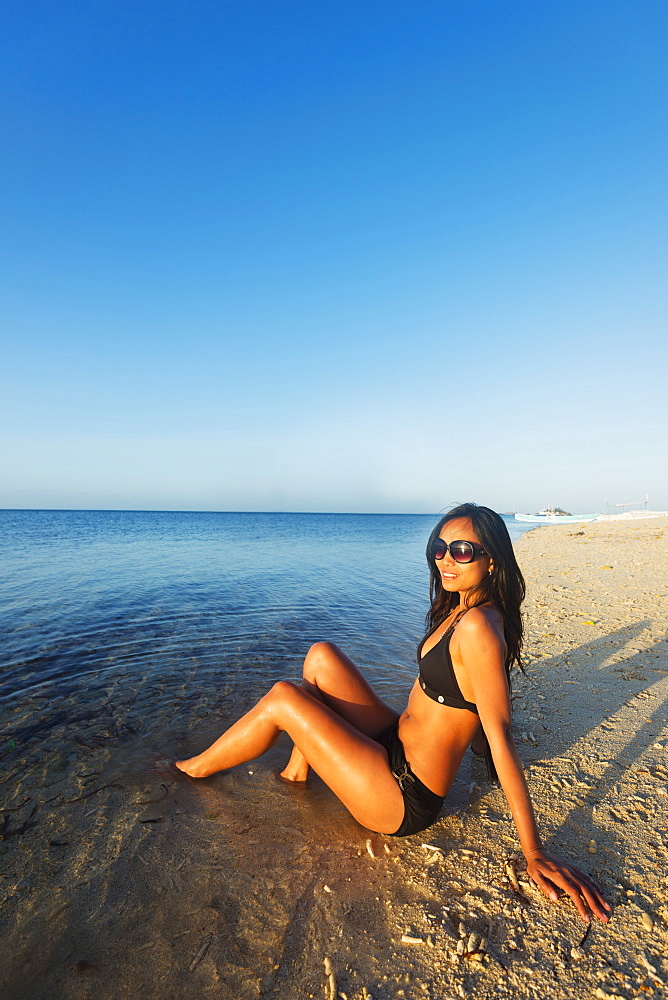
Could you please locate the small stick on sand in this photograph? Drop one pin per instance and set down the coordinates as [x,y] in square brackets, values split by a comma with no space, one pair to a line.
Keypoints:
[199,956]
[80,798]
[512,877]
[331,979]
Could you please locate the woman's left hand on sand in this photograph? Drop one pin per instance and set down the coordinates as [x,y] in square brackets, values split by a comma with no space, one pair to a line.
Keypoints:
[553,876]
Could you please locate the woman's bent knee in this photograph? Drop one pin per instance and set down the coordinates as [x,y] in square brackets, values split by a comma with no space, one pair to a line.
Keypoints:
[282,701]
[284,691]
[320,657]
[323,650]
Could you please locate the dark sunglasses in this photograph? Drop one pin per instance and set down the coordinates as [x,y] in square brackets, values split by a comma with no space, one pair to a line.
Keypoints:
[460,551]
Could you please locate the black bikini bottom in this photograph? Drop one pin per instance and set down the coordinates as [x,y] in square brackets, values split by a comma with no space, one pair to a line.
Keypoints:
[421,805]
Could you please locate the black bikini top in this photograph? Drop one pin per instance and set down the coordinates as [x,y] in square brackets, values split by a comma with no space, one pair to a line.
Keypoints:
[437,677]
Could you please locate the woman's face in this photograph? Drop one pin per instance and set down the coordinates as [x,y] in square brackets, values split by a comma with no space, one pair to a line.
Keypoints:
[461,577]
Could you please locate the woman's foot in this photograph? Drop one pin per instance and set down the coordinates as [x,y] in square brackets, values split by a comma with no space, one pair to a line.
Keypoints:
[193,767]
[297,768]
[288,781]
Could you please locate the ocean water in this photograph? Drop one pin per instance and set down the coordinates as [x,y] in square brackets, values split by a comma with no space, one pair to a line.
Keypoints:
[230,601]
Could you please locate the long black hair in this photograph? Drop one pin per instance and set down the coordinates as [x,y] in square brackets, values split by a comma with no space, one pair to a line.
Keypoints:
[503,586]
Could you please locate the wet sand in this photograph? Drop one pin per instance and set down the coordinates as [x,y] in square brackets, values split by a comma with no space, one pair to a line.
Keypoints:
[121,879]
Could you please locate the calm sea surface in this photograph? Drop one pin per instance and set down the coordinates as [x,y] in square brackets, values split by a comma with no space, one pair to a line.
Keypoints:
[166,612]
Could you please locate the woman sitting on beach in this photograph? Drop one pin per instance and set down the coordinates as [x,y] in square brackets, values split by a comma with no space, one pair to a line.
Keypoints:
[392,772]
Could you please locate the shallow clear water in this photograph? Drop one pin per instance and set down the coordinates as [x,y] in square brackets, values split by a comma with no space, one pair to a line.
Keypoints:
[94,597]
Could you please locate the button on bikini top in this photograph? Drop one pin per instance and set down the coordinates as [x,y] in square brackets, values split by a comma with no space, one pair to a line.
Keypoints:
[437,677]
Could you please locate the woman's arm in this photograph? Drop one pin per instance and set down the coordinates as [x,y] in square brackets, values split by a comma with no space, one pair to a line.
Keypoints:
[482,651]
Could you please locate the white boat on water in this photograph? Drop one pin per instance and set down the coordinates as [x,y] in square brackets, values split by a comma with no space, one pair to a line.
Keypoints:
[640,511]
[550,515]
[632,515]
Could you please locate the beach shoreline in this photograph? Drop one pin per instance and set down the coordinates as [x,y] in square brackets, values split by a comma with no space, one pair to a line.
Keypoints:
[117,884]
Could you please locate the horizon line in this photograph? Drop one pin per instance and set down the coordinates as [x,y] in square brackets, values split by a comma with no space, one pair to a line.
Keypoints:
[171,510]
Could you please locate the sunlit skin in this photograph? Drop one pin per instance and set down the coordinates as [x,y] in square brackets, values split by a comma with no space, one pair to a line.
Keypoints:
[334,716]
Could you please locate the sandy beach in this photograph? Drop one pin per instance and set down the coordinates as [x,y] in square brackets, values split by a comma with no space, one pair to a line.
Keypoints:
[119,882]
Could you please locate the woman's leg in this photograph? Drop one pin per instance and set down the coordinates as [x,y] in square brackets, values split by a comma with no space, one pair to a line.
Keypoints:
[354,766]
[333,678]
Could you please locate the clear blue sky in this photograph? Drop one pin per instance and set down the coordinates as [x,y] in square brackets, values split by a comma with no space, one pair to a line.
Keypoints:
[333,255]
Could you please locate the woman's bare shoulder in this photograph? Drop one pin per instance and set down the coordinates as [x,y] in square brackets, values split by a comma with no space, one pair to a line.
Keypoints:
[480,612]
[485,618]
